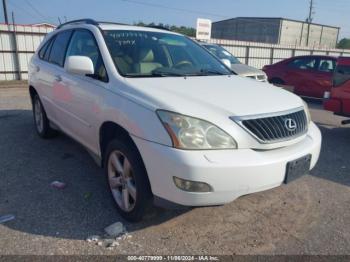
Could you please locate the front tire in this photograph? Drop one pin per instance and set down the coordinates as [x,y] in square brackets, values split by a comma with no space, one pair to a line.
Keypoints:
[41,122]
[128,180]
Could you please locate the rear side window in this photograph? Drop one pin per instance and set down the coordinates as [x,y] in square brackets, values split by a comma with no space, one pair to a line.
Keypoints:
[341,75]
[43,49]
[47,52]
[44,52]
[303,63]
[59,47]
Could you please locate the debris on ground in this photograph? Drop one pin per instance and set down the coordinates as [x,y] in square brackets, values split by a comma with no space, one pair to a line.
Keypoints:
[93,238]
[115,229]
[58,184]
[6,218]
[115,233]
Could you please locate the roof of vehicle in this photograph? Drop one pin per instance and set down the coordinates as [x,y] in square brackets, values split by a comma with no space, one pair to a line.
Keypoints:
[114,26]
[206,43]
[308,56]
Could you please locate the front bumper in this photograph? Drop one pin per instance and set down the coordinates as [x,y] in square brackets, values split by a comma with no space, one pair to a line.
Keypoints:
[230,173]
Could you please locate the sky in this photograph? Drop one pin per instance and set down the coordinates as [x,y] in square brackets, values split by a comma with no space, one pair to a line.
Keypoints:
[178,12]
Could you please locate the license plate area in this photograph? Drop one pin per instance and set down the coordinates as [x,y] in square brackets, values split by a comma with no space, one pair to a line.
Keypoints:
[297,168]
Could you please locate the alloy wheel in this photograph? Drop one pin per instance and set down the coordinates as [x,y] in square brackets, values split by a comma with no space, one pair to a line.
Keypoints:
[121,181]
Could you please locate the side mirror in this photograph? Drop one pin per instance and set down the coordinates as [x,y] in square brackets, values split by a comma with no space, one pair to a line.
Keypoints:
[80,65]
[226,62]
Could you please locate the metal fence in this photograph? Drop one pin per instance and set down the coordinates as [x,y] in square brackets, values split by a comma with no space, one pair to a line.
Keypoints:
[17,47]
[260,54]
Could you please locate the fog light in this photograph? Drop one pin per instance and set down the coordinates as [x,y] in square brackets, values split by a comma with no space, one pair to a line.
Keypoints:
[191,186]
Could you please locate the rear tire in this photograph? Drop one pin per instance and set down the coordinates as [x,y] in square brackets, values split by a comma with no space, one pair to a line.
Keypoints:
[128,180]
[41,122]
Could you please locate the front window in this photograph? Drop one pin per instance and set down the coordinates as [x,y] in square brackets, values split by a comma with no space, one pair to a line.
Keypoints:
[222,53]
[303,63]
[156,54]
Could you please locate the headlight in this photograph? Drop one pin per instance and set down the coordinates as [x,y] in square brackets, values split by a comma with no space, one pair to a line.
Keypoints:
[192,133]
[307,112]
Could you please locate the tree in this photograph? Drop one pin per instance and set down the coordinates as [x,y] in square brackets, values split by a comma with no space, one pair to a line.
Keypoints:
[344,43]
[189,31]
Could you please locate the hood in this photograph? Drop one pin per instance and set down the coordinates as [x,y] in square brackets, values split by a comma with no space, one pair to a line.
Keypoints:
[200,96]
[245,70]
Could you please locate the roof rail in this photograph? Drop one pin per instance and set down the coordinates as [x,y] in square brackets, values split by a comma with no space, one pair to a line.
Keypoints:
[113,23]
[83,21]
[157,27]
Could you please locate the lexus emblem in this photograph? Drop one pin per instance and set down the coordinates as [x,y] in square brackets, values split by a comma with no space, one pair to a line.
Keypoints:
[290,124]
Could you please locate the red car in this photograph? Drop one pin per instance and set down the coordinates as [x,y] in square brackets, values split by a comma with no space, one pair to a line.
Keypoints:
[310,76]
[338,100]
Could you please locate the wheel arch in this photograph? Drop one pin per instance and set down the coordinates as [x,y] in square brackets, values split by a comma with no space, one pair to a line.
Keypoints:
[108,131]
[32,92]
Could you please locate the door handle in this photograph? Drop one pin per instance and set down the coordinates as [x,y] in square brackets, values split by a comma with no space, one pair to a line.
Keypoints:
[58,78]
[37,68]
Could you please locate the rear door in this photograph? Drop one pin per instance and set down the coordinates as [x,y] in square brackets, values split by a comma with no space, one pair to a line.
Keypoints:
[49,67]
[300,75]
[341,84]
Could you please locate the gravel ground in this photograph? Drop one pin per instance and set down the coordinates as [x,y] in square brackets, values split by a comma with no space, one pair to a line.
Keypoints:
[309,216]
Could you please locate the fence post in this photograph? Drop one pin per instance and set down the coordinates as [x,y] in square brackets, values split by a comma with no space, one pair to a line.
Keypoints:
[247,55]
[18,62]
[293,51]
[272,51]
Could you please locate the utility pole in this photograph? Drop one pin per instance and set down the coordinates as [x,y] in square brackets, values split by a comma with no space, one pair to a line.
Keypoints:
[309,21]
[18,62]
[5,11]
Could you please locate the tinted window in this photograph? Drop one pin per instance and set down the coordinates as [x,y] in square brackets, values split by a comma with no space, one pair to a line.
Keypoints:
[48,49]
[43,49]
[59,47]
[326,65]
[342,75]
[83,44]
[158,54]
[222,53]
[303,63]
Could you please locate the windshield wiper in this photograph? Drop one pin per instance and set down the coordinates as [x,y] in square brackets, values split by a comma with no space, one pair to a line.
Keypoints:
[211,72]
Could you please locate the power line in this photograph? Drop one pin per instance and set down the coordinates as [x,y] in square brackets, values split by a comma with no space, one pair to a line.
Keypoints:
[174,8]
[22,9]
[37,11]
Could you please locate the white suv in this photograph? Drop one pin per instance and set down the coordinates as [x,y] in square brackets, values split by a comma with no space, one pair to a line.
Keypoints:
[167,120]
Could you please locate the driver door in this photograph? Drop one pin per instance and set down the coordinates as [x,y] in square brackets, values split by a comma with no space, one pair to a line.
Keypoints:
[81,104]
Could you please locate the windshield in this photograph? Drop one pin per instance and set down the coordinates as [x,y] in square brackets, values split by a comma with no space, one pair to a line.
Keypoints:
[222,53]
[155,54]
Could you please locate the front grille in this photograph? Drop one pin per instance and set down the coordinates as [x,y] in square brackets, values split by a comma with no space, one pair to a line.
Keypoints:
[277,128]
